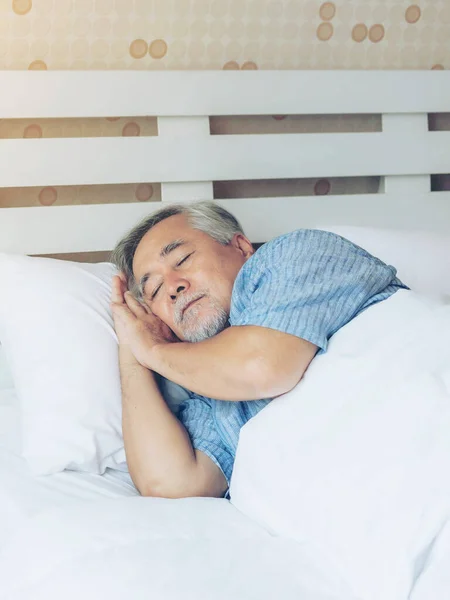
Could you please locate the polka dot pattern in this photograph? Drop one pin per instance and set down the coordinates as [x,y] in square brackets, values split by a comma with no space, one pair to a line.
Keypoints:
[82,194]
[324,31]
[144,192]
[322,187]
[48,196]
[214,34]
[249,66]
[158,49]
[412,14]
[376,33]
[37,65]
[138,48]
[359,32]
[209,34]
[231,65]
[22,7]
[131,129]
[327,11]
[95,127]
[32,131]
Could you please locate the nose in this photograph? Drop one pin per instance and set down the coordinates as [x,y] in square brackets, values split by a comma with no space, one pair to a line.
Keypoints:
[176,287]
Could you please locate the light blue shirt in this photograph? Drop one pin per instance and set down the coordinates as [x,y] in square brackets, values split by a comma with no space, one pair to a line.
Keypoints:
[308,283]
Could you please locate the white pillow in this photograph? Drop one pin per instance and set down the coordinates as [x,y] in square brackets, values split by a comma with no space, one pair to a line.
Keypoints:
[355,461]
[57,331]
[422,258]
[6,379]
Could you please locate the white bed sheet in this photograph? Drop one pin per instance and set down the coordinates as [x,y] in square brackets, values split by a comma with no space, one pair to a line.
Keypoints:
[80,536]
[140,548]
[23,496]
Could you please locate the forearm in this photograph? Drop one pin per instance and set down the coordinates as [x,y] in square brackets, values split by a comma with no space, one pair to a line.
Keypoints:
[241,363]
[160,456]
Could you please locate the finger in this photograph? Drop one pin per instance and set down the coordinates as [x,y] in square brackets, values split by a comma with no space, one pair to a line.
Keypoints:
[120,287]
[123,281]
[121,311]
[147,308]
[116,290]
[134,305]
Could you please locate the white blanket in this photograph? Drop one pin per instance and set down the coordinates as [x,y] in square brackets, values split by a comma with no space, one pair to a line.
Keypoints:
[356,459]
[149,548]
[341,491]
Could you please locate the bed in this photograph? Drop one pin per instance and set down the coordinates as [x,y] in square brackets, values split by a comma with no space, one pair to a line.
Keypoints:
[74,535]
[84,531]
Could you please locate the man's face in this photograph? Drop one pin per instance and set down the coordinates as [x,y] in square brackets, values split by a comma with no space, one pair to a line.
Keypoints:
[188,277]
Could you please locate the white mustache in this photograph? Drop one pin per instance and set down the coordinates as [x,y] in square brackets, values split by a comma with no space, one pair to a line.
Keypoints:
[183,301]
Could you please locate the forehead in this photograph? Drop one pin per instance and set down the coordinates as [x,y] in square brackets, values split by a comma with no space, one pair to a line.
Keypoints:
[165,232]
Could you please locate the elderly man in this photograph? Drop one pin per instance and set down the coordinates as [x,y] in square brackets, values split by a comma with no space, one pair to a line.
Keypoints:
[195,303]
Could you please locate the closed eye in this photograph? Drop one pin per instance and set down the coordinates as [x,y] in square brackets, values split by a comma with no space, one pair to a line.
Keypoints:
[178,264]
[155,292]
[184,259]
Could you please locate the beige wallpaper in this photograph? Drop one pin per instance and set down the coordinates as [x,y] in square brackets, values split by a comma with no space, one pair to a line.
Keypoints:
[215,34]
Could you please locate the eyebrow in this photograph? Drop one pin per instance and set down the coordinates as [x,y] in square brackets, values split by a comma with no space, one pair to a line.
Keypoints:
[164,252]
[142,281]
[171,247]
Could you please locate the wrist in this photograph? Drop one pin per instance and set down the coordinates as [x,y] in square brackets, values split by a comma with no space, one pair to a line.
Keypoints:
[153,357]
[126,356]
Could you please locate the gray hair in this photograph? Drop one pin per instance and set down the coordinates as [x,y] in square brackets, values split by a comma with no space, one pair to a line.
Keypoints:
[205,216]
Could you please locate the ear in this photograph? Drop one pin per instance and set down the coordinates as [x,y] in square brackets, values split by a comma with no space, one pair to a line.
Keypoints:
[243,245]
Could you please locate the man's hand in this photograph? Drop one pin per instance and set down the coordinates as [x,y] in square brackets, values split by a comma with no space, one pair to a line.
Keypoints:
[159,453]
[136,326]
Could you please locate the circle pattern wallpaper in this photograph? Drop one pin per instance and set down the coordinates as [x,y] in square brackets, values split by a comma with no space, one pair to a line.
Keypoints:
[215,34]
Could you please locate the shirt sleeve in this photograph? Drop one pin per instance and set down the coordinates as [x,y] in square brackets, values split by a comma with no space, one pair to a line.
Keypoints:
[196,416]
[310,284]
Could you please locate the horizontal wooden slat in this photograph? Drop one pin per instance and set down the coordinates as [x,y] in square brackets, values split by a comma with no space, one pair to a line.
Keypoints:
[176,93]
[265,218]
[67,229]
[84,161]
[98,227]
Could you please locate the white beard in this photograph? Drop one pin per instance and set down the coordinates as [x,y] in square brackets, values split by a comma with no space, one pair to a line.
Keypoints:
[194,328]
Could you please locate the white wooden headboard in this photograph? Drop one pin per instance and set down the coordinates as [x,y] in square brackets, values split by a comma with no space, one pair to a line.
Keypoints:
[186,159]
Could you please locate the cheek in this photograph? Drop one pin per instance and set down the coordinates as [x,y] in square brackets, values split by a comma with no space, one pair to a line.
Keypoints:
[161,310]
[221,293]
[217,276]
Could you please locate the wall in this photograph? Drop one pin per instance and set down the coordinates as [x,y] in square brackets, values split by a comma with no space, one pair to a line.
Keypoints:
[215,34]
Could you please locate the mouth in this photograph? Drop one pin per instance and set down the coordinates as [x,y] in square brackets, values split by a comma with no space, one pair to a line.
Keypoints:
[191,303]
